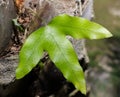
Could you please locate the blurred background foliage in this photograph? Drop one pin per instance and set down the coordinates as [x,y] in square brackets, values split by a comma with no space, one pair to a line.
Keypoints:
[104,66]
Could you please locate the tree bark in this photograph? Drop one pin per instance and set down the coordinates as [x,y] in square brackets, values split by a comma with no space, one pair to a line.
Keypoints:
[7,13]
[49,82]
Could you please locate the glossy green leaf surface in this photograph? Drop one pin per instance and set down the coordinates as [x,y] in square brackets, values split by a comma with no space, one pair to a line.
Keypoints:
[79,27]
[52,38]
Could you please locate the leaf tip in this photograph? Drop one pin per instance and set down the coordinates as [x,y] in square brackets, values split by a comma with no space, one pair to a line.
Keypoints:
[18,74]
[110,35]
[82,89]
[84,92]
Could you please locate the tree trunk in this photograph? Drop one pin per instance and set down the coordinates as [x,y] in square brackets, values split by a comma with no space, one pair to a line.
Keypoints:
[7,13]
[48,82]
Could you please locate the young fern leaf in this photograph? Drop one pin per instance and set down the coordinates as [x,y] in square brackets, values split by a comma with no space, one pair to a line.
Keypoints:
[52,38]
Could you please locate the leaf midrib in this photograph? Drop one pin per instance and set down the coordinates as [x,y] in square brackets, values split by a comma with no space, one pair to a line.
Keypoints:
[36,45]
[65,57]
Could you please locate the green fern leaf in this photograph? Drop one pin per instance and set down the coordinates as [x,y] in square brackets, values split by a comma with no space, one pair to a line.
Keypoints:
[52,39]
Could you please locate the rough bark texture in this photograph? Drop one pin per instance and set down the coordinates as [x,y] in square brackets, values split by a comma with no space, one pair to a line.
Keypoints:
[49,82]
[7,13]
